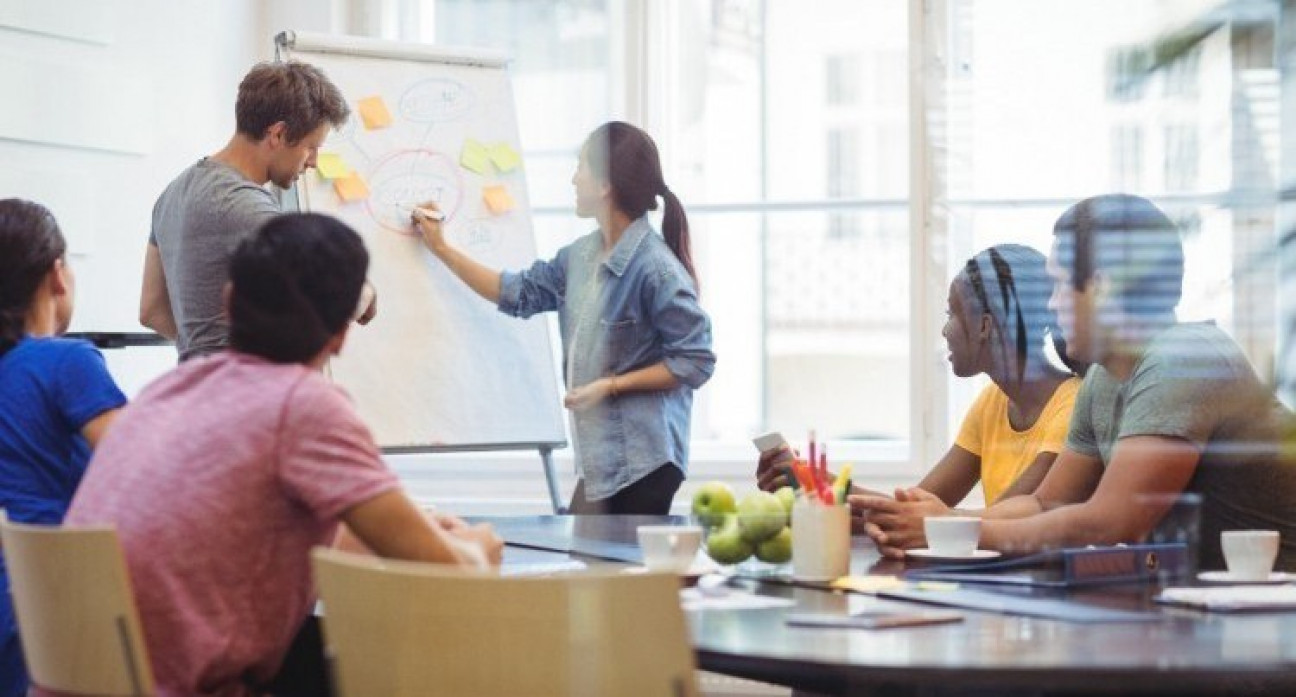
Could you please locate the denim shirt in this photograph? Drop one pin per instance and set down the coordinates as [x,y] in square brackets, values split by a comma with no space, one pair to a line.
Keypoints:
[637,308]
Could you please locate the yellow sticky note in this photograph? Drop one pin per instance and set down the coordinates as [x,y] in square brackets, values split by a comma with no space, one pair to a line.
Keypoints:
[498,200]
[868,584]
[374,113]
[475,157]
[351,188]
[506,159]
[330,165]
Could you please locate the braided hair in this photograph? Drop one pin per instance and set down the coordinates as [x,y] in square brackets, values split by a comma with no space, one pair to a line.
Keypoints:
[1017,297]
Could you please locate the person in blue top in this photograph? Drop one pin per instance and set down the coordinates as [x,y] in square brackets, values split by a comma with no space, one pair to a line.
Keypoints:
[57,398]
[636,342]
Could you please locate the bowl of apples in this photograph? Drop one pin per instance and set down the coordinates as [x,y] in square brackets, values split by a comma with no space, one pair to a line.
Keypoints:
[750,536]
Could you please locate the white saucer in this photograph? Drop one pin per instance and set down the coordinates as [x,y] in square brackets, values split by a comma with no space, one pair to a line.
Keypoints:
[979,555]
[1226,577]
[693,572]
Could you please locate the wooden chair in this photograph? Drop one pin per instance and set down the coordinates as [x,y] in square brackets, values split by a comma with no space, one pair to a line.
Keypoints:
[76,616]
[406,629]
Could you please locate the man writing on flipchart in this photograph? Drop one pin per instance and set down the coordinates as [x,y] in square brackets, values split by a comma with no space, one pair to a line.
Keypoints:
[283,114]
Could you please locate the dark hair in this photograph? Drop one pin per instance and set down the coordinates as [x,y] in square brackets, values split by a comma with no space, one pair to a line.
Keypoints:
[30,244]
[296,93]
[626,158]
[295,284]
[1132,242]
[1018,300]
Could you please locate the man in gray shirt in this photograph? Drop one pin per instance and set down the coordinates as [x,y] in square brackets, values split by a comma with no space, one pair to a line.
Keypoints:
[283,114]
[1167,408]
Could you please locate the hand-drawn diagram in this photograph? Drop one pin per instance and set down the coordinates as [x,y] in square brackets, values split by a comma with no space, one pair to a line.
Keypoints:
[437,99]
[407,178]
[439,365]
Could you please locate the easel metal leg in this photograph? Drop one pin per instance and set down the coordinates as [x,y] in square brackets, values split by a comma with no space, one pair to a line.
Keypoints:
[551,479]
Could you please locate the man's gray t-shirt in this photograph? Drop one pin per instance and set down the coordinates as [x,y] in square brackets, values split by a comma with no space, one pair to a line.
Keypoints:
[197,223]
[1193,382]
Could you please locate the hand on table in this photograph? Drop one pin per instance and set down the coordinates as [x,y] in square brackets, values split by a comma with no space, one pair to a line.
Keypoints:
[897,524]
[481,542]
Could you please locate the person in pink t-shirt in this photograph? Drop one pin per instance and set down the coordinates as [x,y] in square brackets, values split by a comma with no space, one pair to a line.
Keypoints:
[225,472]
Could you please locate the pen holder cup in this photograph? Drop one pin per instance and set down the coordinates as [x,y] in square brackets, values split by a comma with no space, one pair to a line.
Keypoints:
[821,541]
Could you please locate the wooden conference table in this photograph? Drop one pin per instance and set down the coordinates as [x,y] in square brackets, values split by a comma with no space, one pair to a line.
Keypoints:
[1180,652]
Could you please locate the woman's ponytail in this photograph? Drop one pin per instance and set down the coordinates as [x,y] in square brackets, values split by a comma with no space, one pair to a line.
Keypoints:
[626,157]
[675,229]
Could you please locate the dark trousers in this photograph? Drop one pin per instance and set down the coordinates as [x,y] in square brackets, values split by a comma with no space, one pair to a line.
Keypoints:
[651,495]
[304,672]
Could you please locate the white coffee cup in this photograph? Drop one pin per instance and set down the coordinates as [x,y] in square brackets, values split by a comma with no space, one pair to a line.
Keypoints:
[1249,554]
[669,547]
[952,536]
[821,541]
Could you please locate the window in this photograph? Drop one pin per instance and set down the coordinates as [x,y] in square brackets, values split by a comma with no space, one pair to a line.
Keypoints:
[798,189]
[1127,157]
[1181,157]
[842,83]
[843,155]
[1027,141]
[785,130]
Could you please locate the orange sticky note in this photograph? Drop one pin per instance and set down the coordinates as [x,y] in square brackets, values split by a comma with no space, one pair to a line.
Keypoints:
[374,113]
[351,188]
[498,200]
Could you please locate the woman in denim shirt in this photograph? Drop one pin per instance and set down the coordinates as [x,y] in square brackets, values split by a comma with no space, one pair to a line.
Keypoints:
[635,340]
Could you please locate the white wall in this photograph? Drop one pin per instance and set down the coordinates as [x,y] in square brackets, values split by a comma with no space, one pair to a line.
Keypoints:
[163,82]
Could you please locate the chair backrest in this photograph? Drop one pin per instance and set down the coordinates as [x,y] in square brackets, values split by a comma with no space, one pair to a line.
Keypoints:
[405,629]
[77,619]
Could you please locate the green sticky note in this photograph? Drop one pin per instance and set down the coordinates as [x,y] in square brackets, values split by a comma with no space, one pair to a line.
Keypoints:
[475,157]
[506,159]
[330,165]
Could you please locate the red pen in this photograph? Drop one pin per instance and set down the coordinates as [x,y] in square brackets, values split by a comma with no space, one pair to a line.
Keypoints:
[823,475]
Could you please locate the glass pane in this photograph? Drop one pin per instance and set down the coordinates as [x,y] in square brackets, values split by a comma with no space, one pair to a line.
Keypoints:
[837,99]
[1082,105]
[561,86]
[828,346]
[810,307]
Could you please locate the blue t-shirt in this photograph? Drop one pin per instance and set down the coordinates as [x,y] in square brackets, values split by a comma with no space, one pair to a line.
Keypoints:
[50,389]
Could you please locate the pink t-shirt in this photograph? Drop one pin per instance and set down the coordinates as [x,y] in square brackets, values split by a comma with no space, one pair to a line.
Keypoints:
[220,478]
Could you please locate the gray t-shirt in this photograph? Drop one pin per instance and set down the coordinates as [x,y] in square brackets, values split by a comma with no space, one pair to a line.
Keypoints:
[1193,382]
[197,223]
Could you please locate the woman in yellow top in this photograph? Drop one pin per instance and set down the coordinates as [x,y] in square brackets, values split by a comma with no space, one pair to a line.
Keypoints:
[997,323]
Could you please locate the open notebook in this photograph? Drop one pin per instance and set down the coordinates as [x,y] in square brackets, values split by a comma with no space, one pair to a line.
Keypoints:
[1232,598]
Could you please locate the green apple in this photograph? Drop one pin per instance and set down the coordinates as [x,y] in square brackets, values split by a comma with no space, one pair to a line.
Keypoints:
[712,502]
[786,496]
[726,544]
[761,515]
[777,549]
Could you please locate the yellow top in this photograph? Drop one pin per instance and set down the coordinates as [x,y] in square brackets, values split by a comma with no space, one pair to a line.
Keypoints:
[1005,452]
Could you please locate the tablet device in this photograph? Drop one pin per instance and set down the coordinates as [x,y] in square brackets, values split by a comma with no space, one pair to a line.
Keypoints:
[875,619]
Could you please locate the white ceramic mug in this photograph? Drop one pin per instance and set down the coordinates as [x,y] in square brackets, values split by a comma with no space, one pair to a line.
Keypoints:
[669,547]
[952,536]
[821,541]
[1249,554]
